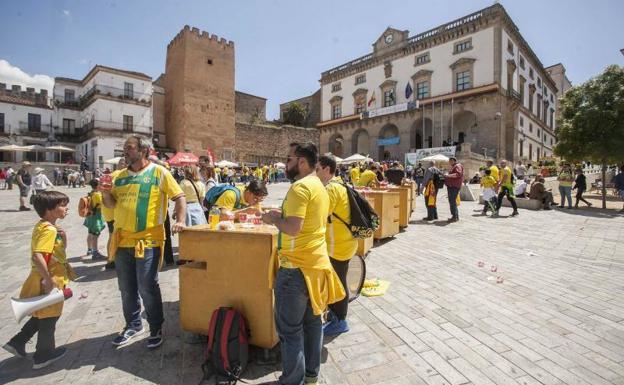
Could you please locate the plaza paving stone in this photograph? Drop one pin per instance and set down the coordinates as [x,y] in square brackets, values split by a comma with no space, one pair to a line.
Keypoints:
[558,317]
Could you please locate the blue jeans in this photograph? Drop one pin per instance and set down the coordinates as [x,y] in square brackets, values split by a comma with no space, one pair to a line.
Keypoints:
[139,277]
[565,192]
[452,197]
[299,330]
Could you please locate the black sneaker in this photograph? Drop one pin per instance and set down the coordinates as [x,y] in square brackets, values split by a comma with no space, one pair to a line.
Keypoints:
[126,335]
[514,213]
[110,266]
[155,339]
[17,351]
[24,208]
[56,354]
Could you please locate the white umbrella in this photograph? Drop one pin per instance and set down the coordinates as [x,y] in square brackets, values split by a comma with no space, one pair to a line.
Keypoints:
[60,149]
[114,160]
[13,148]
[356,158]
[226,163]
[435,158]
[338,159]
[36,148]
[280,165]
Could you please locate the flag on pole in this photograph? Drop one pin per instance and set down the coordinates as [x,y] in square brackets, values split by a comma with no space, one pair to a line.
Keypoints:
[372,99]
[408,91]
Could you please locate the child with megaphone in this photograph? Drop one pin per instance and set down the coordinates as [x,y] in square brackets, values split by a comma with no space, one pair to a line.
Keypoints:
[49,270]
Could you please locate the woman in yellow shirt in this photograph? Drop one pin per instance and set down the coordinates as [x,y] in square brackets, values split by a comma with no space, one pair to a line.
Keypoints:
[194,191]
[94,222]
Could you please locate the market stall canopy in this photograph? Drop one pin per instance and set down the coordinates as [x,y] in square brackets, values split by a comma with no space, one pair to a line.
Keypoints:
[13,148]
[60,149]
[338,159]
[280,165]
[356,158]
[114,160]
[226,163]
[435,158]
[183,158]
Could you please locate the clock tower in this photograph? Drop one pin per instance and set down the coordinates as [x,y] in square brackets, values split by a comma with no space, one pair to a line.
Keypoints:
[390,40]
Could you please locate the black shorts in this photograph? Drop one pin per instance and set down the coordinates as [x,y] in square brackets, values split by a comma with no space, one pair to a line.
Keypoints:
[111,227]
[24,191]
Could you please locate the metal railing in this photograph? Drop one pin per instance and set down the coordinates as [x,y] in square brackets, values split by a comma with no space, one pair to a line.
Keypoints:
[419,37]
[38,130]
[514,94]
[98,89]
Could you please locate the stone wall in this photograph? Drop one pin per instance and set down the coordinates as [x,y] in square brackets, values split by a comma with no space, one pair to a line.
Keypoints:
[250,108]
[264,143]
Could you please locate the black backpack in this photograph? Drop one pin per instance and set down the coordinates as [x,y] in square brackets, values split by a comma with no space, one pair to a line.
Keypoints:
[364,220]
[227,352]
[438,180]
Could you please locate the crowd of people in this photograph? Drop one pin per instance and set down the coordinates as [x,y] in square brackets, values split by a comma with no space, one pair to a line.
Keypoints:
[314,252]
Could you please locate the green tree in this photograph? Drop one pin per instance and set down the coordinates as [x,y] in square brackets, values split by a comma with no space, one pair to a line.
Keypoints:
[591,122]
[296,115]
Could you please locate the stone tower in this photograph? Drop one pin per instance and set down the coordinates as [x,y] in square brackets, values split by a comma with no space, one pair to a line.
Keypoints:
[199,96]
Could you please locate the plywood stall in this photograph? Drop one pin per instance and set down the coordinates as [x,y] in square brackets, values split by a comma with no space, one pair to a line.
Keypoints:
[405,203]
[229,268]
[386,205]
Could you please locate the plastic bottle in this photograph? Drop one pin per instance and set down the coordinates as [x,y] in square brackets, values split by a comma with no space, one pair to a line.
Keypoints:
[214,217]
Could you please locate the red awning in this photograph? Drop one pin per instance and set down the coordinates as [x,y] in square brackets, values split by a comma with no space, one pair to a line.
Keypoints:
[183,158]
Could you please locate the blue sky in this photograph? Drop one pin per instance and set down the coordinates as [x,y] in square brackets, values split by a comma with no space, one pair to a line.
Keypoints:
[283,46]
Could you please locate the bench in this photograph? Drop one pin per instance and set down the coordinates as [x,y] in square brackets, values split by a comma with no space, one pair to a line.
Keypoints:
[523,203]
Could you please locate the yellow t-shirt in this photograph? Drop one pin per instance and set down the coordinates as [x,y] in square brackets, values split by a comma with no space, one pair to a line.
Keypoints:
[109,214]
[96,200]
[494,172]
[189,190]
[340,242]
[306,199]
[505,177]
[366,179]
[46,240]
[488,181]
[354,174]
[258,173]
[246,171]
[227,200]
[265,171]
[142,202]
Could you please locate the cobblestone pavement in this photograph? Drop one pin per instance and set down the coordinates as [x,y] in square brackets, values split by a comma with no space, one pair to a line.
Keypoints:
[558,317]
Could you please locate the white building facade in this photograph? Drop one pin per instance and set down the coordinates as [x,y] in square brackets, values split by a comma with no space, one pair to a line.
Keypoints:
[474,81]
[96,114]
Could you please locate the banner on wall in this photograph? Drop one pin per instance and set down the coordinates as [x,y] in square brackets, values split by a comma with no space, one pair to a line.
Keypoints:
[388,141]
[412,158]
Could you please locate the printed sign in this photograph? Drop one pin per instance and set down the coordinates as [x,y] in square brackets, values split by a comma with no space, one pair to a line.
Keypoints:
[388,141]
[412,158]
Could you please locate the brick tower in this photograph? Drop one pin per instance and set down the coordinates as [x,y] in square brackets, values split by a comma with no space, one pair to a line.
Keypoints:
[199,96]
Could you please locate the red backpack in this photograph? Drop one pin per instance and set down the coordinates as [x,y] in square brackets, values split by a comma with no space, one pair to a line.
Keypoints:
[227,352]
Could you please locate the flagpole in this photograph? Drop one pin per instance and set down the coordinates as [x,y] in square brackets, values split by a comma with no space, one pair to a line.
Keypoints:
[432,123]
[423,125]
[441,123]
[452,118]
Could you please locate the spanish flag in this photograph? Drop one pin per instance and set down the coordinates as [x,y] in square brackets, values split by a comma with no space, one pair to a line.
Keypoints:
[372,99]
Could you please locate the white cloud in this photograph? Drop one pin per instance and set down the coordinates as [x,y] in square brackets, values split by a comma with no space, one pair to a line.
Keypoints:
[11,75]
[66,12]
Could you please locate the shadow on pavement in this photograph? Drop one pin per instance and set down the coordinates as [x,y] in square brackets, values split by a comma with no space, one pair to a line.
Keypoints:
[175,362]
[593,212]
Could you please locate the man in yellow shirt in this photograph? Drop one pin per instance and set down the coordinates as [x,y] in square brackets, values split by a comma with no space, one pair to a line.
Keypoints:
[341,246]
[368,178]
[138,197]
[354,173]
[506,187]
[306,282]
[494,170]
[238,199]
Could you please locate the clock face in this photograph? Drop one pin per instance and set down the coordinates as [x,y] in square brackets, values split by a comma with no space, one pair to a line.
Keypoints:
[389,38]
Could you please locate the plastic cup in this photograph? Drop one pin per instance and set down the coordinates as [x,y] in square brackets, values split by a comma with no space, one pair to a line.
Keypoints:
[257,220]
[242,217]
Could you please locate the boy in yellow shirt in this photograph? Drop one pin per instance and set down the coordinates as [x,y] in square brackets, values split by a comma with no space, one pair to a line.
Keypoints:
[489,185]
[49,269]
[94,222]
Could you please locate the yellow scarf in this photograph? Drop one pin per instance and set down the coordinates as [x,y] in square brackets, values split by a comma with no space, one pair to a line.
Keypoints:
[324,286]
[152,237]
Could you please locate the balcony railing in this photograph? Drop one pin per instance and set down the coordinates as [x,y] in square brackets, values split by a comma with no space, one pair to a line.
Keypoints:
[98,89]
[41,130]
[78,134]
[514,94]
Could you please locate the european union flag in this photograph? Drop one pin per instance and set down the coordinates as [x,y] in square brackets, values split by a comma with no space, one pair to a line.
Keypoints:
[408,91]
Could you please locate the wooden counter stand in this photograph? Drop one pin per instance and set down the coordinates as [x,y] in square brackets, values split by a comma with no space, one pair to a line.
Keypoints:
[404,203]
[229,268]
[364,245]
[412,185]
[386,205]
